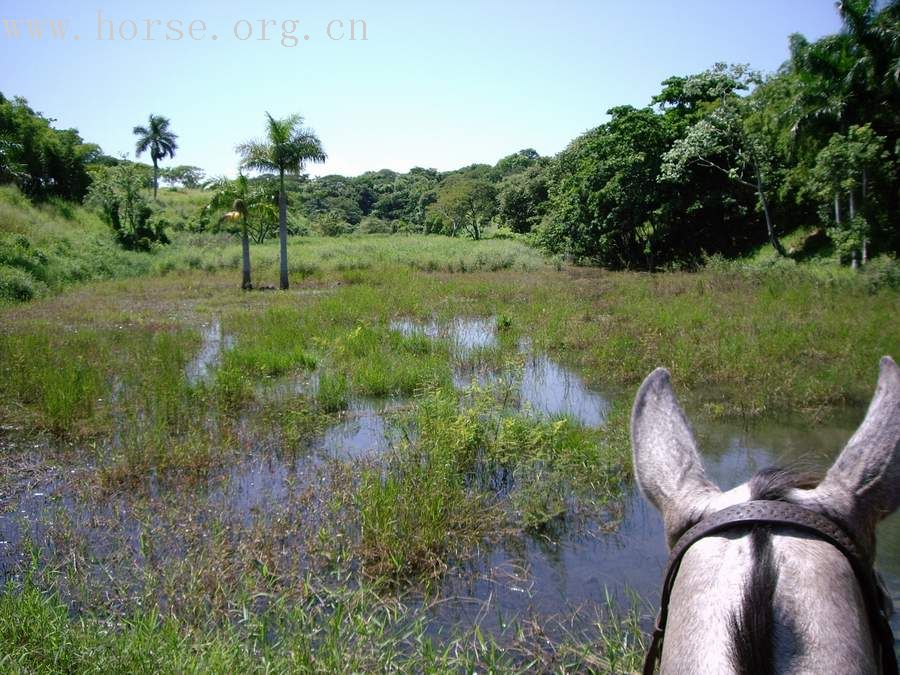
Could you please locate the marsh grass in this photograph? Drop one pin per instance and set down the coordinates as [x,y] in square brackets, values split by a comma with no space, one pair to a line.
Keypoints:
[381,362]
[416,512]
[469,468]
[333,392]
[57,379]
[103,367]
[328,630]
[270,344]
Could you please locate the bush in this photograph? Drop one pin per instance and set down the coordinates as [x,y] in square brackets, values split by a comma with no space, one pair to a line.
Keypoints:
[882,272]
[505,233]
[375,225]
[16,285]
[332,225]
[297,225]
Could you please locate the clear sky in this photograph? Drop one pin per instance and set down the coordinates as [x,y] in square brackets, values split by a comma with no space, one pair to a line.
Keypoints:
[435,84]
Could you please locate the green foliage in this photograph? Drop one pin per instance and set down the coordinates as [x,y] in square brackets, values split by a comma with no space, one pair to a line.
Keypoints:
[43,161]
[465,205]
[16,285]
[190,177]
[522,199]
[604,190]
[882,272]
[48,247]
[332,225]
[852,167]
[117,193]
[256,201]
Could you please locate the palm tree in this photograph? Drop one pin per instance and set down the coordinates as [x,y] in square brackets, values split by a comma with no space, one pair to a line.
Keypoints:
[287,148]
[161,142]
[237,193]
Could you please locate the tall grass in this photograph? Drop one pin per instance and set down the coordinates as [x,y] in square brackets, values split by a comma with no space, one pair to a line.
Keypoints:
[469,468]
[58,379]
[330,630]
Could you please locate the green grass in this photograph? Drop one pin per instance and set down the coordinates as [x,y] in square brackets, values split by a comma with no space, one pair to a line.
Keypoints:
[333,392]
[48,247]
[334,631]
[349,255]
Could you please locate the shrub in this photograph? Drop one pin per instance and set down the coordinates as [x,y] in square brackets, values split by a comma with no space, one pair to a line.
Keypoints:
[332,225]
[16,285]
[882,272]
[375,225]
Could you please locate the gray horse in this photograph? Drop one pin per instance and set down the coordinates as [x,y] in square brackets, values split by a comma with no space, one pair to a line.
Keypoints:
[768,599]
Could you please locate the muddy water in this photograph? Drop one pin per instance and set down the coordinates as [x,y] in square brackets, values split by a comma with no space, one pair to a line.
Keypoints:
[542,576]
[558,572]
[213,342]
[554,574]
[364,430]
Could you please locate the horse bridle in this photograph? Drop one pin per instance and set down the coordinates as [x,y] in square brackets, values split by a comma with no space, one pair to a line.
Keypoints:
[765,512]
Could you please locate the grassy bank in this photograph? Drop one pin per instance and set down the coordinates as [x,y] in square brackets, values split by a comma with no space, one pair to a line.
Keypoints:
[49,247]
[45,248]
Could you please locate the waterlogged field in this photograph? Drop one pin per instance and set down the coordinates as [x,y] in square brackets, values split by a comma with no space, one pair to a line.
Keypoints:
[417,458]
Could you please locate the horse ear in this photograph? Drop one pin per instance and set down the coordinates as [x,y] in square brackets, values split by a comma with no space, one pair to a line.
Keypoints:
[863,485]
[667,463]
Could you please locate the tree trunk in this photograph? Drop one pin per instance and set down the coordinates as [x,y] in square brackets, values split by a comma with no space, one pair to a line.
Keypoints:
[282,231]
[246,283]
[837,208]
[852,205]
[155,176]
[864,193]
[770,226]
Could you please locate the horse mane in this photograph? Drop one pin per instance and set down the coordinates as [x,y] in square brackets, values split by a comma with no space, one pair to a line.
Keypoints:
[752,628]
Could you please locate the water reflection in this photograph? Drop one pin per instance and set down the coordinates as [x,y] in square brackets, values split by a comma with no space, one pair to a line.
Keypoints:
[213,341]
[543,387]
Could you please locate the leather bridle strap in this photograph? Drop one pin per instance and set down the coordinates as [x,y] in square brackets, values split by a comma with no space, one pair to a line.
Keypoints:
[765,512]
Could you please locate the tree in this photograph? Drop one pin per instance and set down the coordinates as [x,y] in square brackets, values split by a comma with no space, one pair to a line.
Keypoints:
[846,167]
[522,199]
[721,141]
[287,148]
[10,168]
[43,161]
[250,209]
[466,204]
[116,193]
[159,140]
[238,195]
[189,176]
[846,81]
[604,191]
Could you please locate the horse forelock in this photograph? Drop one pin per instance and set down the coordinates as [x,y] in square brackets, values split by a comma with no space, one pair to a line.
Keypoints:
[752,627]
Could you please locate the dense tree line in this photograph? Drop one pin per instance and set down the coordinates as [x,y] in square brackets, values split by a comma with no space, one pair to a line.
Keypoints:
[43,161]
[718,162]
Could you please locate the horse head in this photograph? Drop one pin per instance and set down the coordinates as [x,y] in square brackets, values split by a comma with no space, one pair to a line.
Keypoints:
[771,596]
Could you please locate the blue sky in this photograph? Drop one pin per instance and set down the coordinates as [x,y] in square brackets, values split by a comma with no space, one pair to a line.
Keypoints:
[435,84]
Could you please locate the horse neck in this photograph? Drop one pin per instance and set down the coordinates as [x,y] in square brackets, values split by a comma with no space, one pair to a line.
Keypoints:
[813,621]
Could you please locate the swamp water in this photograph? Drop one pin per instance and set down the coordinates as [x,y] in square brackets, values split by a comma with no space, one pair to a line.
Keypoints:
[551,574]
